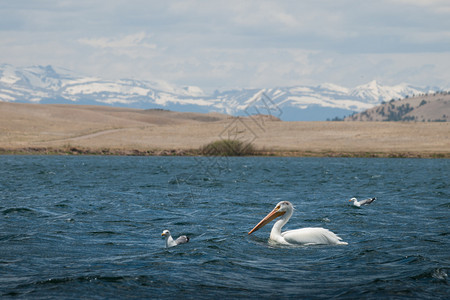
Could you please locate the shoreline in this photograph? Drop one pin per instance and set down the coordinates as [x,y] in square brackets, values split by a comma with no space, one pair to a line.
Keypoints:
[78,151]
[46,129]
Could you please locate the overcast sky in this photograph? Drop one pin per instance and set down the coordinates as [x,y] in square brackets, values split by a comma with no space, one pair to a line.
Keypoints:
[234,44]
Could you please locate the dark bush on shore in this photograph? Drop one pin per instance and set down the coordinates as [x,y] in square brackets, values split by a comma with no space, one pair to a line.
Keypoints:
[228,148]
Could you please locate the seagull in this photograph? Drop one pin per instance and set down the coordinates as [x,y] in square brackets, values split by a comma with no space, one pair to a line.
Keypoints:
[362,202]
[172,243]
[302,236]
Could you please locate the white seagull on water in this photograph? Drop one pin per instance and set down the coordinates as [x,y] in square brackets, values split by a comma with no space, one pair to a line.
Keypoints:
[302,236]
[362,202]
[170,242]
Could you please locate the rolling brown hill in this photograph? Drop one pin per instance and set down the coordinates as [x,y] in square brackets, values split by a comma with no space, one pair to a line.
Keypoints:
[422,108]
[75,129]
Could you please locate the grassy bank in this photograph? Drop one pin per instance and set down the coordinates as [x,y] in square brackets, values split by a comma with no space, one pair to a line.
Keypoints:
[200,152]
[84,130]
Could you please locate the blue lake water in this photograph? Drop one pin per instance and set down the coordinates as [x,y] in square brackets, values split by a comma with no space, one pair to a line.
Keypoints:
[90,227]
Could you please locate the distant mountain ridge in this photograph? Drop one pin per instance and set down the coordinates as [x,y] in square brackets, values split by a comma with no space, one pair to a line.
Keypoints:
[47,84]
[420,108]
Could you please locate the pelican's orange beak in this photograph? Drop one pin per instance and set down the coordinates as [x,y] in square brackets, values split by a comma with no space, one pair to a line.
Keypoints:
[275,213]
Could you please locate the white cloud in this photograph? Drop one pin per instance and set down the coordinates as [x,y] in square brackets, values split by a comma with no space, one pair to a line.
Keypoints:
[215,44]
[128,41]
[437,6]
[265,14]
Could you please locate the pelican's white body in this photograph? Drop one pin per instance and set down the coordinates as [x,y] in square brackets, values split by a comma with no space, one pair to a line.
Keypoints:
[302,236]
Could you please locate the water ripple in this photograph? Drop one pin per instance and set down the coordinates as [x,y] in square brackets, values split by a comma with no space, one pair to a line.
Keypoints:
[90,227]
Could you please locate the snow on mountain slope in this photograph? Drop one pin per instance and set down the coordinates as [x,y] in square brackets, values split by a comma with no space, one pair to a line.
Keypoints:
[377,93]
[41,84]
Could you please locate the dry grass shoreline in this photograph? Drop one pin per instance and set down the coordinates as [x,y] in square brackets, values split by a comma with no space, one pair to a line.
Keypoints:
[38,129]
[196,152]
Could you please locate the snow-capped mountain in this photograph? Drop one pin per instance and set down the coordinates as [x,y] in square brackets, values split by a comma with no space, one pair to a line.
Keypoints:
[39,84]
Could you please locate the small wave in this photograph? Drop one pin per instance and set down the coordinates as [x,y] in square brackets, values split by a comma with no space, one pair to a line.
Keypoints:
[37,286]
[445,205]
[14,237]
[42,172]
[412,259]
[440,274]
[92,278]
[18,210]
[217,262]
[105,233]
[435,273]
[128,223]
[85,212]
[320,220]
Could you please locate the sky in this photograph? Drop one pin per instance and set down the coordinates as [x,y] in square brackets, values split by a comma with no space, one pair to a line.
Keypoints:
[234,44]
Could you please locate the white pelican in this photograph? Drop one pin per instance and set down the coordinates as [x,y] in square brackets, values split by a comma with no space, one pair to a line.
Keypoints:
[302,236]
[362,202]
[170,242]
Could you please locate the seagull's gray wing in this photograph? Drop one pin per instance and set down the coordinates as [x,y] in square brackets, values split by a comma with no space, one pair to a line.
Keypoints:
[367,201]
[182,240]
